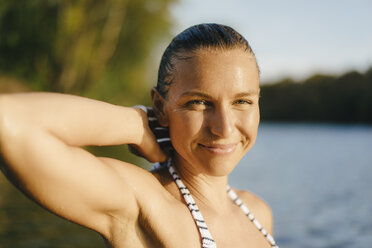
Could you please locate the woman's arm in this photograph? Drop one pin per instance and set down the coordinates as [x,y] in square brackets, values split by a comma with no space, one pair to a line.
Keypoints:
[40,139]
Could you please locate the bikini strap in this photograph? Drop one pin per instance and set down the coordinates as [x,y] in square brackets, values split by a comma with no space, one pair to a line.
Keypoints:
[206,237]
[246,211]
[207,240]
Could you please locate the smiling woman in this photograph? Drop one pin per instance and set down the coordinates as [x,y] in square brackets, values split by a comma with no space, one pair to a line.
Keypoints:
[206,102]
[213,107]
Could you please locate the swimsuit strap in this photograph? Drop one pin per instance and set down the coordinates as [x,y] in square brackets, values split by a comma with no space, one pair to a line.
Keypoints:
[207,240]
[246,211]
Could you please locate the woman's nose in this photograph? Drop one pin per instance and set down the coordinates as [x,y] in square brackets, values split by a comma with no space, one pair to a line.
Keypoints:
[221,122]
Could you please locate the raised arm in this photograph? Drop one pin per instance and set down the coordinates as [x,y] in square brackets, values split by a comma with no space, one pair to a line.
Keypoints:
[40,139]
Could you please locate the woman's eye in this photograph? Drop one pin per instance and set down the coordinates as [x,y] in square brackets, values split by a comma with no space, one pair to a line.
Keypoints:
[196,102]
[242,101]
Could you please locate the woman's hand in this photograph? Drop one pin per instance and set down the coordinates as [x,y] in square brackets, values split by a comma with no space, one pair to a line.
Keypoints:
[156,145]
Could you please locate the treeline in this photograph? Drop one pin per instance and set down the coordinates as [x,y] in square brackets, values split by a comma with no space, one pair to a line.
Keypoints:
[320,98]
[99,49]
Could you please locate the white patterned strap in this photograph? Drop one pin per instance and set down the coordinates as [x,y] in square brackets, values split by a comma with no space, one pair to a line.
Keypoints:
[244,208]
[207,240]
[206,237]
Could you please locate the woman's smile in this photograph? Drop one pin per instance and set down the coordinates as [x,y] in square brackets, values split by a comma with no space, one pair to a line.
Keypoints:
[220,149]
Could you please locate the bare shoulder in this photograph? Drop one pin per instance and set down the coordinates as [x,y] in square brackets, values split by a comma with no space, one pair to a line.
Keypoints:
[258,207]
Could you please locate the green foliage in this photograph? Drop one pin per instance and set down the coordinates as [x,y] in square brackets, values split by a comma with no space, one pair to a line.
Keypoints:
[99,49]
[347,99]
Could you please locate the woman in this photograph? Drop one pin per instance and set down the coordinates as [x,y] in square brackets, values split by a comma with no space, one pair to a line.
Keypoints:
[207,95]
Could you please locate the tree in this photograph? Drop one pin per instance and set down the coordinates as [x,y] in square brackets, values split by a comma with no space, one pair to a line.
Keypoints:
[99,49]
[346,98]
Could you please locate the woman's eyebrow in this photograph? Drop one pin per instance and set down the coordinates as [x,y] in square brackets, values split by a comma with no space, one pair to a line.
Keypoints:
[196,93]
[248,93]
[205,95]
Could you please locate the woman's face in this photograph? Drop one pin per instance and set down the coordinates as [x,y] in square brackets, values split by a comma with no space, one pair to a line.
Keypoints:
[212,110]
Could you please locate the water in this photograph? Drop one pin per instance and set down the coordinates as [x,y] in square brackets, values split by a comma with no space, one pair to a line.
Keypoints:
[317,180]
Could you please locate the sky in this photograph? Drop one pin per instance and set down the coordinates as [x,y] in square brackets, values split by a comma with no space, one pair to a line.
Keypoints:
[292,38]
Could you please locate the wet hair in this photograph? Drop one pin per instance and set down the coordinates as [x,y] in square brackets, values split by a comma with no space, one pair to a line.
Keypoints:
[201,36]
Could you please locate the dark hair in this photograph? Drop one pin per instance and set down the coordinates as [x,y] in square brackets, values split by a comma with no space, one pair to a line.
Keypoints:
[207,35]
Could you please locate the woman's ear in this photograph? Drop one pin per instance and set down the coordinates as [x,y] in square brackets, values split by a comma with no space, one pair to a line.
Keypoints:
[158,106]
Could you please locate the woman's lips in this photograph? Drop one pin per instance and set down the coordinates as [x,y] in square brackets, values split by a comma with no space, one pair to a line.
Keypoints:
[220,148]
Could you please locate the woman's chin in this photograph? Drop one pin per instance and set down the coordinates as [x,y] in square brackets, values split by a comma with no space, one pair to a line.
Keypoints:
[219,165]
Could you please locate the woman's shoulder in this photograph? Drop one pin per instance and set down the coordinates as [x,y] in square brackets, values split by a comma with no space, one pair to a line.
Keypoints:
[258,207]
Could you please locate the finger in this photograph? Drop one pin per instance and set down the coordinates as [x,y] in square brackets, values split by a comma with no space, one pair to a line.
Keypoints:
[166,147]
[151,149]
[157,154]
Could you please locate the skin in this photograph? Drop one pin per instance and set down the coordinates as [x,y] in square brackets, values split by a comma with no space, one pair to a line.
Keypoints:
[212,114]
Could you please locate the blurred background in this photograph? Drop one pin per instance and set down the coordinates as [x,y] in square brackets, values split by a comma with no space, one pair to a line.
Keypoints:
[312,161]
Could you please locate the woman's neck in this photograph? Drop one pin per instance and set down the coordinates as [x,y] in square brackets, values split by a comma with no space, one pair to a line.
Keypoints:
[207,190]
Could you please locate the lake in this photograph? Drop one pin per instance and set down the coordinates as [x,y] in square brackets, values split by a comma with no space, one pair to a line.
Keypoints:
[317,178]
